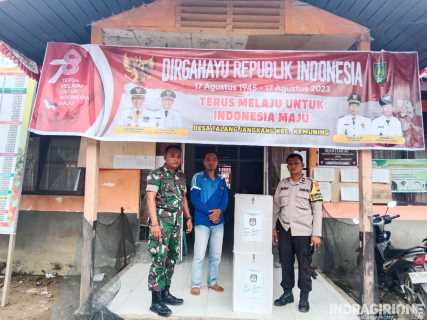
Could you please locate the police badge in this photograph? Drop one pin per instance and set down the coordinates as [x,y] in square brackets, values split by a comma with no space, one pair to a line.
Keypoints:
[379,71]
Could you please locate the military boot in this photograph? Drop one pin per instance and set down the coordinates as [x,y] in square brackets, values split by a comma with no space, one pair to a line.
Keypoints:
[168,298]
[157,305]
[303,305]
[286,298]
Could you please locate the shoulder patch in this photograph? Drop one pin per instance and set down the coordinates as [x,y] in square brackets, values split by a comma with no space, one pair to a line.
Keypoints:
[315,194]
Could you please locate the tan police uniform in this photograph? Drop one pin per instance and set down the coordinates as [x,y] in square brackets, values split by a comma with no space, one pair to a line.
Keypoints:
[297,215]
[298,206]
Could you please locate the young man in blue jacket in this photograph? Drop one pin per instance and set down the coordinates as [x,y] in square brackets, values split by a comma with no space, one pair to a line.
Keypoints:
[209,196]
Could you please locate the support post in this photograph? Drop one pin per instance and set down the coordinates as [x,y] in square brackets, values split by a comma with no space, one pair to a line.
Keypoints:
[366,232]
[89,218]
[365,212]
[312,161]
[8,273]
[266,169]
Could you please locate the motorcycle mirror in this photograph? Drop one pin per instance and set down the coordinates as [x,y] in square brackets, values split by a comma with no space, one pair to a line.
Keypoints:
[392,204]
[355,220]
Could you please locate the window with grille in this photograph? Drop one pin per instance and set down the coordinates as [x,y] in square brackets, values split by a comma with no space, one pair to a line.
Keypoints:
[51,166]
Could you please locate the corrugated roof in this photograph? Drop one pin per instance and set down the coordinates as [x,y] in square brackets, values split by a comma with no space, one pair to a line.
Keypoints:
[395,25]
[28,24]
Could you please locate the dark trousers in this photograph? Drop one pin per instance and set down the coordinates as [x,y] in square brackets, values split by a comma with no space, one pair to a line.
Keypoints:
[289,247]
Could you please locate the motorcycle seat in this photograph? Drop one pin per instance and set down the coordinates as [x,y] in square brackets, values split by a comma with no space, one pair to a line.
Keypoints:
[394,253]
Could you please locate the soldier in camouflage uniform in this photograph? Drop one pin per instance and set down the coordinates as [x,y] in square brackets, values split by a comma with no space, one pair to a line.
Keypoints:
[166,201]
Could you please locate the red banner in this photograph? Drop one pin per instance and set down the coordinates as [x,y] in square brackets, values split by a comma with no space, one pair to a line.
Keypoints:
[348,99]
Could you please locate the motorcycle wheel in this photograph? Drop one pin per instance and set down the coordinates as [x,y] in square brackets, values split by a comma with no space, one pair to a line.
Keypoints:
[425,304]
[412,297]
[409,290]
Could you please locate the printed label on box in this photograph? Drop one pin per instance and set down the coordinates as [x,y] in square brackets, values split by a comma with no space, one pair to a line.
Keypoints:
[252,227]
[253,286]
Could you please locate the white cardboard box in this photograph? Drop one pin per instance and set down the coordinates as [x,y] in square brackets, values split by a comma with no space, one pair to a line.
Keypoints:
[253,283]
[253,223]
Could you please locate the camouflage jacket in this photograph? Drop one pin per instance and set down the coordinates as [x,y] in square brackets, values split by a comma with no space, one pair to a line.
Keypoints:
[170,191]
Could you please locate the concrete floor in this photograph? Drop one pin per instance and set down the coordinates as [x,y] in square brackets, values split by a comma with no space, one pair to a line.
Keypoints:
[133,299]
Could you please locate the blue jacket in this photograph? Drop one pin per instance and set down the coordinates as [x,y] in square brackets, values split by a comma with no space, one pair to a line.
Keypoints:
[207,194]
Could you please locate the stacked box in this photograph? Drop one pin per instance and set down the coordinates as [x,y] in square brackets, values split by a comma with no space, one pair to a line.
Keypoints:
[253,258]
[253,223]
[253,283]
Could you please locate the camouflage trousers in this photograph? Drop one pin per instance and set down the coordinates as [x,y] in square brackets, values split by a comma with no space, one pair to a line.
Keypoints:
[164,255]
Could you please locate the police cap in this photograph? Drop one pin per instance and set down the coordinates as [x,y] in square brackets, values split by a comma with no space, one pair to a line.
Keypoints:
[354,98]
[386,100]
[168,94]
[138,92]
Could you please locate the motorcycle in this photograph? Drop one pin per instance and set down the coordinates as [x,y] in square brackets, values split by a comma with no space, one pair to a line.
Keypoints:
[398,269]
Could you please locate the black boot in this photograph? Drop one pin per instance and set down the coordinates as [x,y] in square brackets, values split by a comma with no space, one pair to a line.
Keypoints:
[303,305]
[168,298]
[284,299]
[157,305]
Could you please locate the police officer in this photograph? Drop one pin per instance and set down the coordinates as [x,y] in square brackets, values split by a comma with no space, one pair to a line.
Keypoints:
[353,124]
[387,125]
[134,115]
[297,228]
[172,117]
[166,202]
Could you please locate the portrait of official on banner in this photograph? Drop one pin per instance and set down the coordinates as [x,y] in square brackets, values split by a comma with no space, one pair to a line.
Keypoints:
[347,100]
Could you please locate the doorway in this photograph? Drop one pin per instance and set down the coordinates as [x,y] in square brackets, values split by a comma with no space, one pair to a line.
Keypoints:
[241,166]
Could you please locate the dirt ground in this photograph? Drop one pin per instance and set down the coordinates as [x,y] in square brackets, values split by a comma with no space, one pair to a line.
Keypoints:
[30,298]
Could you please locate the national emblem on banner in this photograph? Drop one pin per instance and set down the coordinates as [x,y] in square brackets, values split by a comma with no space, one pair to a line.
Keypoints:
[137,69]
[380,70]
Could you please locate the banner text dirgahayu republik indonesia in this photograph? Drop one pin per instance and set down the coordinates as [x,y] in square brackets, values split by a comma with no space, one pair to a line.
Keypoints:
[338,72]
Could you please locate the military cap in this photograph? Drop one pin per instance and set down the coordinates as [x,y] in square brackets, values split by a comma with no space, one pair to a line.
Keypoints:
[138,91]
[354,98]
[168,94]
[385,100]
